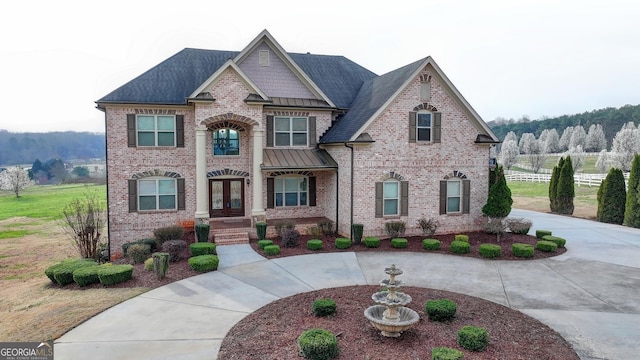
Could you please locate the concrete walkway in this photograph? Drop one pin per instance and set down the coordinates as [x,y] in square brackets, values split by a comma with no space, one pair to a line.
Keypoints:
[590,294]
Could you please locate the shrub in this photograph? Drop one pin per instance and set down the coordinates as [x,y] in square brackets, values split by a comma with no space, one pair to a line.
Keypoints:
[490,251]
[460,237]
[431,244]
[115,274]
[51,269]
[496,226]
[202,232]
[632,203]
[63,274]
[272,250]
[553,186]
[541,233]
[261,229]
[395,229]
[445,353]
[473,338]
[151,242]
[399,243]
[499,199]
[371,242]
[566,188]
[314,244]
[202,248]
[175,248]
[323,307]
[86,275]
[148,264]
[546,246]
[522,250]
[314,230]
[139,252]
[160,264]
[327,227]
[204,263]
[519,225]
[428,226]
[554,239]
[343,243]
[289,237]
[460,247]
[284,225]
[357,230]
[612,195]
[440,310]
[264,242]
[167,233]
[318,344]
[84,220]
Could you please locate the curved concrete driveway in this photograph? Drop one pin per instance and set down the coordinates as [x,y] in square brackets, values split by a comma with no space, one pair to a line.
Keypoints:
[590,294]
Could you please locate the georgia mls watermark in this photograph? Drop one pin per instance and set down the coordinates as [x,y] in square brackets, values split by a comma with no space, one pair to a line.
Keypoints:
[26,350]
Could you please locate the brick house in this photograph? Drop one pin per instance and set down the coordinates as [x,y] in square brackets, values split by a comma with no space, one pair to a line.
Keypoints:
[226,136]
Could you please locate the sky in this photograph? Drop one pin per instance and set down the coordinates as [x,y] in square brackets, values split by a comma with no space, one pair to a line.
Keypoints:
[507,58]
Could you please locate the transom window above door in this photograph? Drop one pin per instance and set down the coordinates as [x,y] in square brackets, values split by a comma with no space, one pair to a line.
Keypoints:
[156,130]
[226,142]
[290,131]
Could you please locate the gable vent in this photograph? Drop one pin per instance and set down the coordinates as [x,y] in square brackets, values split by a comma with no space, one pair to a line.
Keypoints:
[263,57]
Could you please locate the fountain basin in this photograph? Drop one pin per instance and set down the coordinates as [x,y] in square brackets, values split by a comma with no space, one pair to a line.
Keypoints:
[391,298]
[406,319]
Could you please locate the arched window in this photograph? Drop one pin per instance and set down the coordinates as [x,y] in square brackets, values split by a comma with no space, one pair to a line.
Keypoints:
[226,142]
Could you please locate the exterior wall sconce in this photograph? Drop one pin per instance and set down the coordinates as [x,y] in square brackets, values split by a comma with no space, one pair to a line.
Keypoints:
[248,181]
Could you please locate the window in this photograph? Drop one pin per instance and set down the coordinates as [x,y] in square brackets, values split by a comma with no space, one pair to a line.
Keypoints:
[291,191]
[391,197]
[226,142]
[290,131]
[156,130]
[157,194]
[423,126]
[454,195]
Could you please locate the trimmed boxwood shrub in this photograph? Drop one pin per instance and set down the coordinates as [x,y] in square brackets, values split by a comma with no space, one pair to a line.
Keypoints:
[175,248]
[522,250]
[440,310]
[445,353]
[63,274]
[460,247]
[272,250]
[204,263]
[546,246]
[323,307]
[371,242]
[202,248]
[318,344]
[314,244]
[86,275]
[115,274]
[490,251]
[399,243]
[554,239]
[51,269]
[264,242]
[541,233]
[473,338]
[461,237]
[343,243]
[431,244]
[167,233]
[139,252]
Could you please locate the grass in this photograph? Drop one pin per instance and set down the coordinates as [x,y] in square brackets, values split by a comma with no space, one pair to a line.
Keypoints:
[44,201]
[535,196]
[589,166]
[10,234]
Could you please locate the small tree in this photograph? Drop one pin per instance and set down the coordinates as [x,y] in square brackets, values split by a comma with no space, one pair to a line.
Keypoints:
[566,190]
[632,209]
[611,198]
[15,179]
[84,219]
[499,202]
[509,154]
[553,186]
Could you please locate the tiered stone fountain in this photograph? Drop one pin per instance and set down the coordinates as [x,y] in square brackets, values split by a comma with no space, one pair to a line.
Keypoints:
[391,316]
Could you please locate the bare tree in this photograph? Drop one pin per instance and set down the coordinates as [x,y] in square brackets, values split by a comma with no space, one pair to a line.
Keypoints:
[84,219]
[15,179]
[509,154]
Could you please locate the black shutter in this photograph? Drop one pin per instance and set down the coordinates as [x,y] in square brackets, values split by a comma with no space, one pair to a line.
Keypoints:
[379,200]
[466,196]
[179,130]
[312,191]
[404,198]
[181,202]
[437,124]
[131,130]
[312,131]
[443,197]
[412,126]
[270,193]
[133,195]
[269,131]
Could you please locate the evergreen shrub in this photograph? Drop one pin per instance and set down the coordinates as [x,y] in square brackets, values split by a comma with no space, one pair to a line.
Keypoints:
[318,344]
[371,242]
[460,237]
[264,242]
[460,247]
[445,353]
[522,250]
[202,248]
[357,230]
[343,243]
[541,233]
[395,229]
[202,232]
[148,264]
[554,239]
[632,204]
[323,307]
[261,230]
[115,274]
[399,243]
[139,252]
[167,233]
[86,275]
[314,244]
[272,250]
[431,244]
[473,338]
[440,310]
[490,251]
[204,263]
[63,274]
[546,246]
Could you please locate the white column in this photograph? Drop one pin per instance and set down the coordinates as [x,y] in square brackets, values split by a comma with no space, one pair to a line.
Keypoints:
[257,208]
[202,196]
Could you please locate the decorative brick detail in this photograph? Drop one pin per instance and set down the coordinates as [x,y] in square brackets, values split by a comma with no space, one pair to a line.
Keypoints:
[156,172]
[155,111]
[425,106]
[289,113]
[426,77]
[456,174]
[280,173]
[239,120]
[392,175]
[223,172]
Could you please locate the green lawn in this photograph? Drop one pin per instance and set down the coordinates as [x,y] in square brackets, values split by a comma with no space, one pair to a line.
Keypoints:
[589,166]
[44,201]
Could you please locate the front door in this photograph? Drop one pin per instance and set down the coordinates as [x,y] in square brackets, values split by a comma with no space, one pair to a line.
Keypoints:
[227,197]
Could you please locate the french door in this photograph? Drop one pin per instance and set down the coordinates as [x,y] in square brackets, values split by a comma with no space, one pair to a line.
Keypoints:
[226,197]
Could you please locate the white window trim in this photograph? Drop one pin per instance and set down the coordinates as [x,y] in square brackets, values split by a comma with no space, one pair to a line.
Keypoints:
[156,131]
[459,196]
[290,132]
[157,194]
[277,191]
[385,197]
[418,127]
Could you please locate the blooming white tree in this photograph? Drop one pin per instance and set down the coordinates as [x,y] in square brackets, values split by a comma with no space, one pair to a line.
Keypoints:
[565,139]
[603,164]
[551,142]
[626,144]
[509,154]
[578,137]
[596,140]
[15,179]
[536,155]
[526,143]
[510,136]
[577,157]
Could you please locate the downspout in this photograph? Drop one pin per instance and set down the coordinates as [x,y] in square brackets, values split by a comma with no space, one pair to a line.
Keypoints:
[351,196]
[106,179]
[337,198]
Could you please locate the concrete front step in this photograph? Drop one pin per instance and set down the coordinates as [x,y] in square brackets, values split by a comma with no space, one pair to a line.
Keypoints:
[231,238]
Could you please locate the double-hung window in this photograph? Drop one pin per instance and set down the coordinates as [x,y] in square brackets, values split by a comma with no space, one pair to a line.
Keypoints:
[391,197]
[226,142]
[156,130]
[290,131]
[291,191]
[157,194]
[454,196]
[423,126]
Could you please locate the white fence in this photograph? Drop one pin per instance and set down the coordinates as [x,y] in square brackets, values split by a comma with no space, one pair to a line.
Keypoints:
[579,179]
